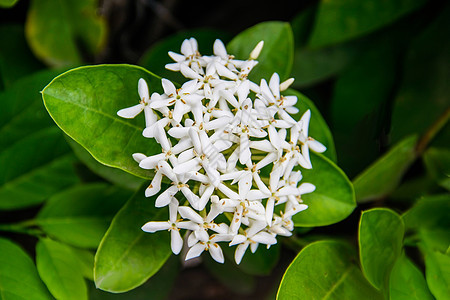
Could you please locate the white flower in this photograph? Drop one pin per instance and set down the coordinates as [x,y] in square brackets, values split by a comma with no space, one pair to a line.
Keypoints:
[230,147]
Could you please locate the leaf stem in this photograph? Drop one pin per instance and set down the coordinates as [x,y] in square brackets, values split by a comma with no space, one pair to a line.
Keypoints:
[432,131]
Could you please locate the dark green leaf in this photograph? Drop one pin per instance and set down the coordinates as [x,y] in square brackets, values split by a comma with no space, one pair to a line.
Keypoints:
[113,175]
[81,215]
[302,24]
[332,201]
[312,66]
[18,275]
[28,178]
[437,162]
[259,263]
[342,20]
[277,54]
[60,270]
[407,281]
[16,59]
[380,244]
[22,111]
[358,107]
[8,3]
[127,256]
[60,32]
[325,270]
[426,76]
[231,276]
[156,57]
[318,128]
[384,175]
[84,103]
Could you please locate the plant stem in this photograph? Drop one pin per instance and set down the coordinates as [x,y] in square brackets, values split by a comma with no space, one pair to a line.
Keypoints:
[432,131]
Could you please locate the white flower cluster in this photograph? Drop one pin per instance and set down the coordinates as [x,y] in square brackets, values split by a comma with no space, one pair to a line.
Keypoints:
[229,148]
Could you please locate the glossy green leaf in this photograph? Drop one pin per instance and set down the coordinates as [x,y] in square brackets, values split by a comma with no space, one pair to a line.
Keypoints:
[159,287]
[342,20]
[26,178]
[62,38]
[81,215]
[127,256]
[84,103]
[437,162]
[426,76]
[18,276]
[429,212]
[113,175]
[156,57]
[16,59]
[318,128]
[8,3]
[332,201]
[380,244]
[359,101]
[384,175]
[407,282]
[437,271]
[277,54]
[59,270]
[325,270]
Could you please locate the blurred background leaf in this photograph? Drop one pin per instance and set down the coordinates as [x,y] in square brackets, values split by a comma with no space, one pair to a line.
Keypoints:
[63,33]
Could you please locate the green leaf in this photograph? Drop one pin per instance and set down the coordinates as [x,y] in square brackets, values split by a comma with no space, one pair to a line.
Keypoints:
[407,281]
[81,215]
[312,66]
[302,24]
[21,109]
[437,271]
[318,128]
[85,259]
[159,287]
[437,162]
[16,59]
[332,201]
[26,178]
[61,32]
[260,263]
[18,276]
[113,175]
[380,244]
[59,270]
[84,103]
[8,3]
[127,256]
[325,270]
[426,76]
[341,20]
[429,212]
[277,54]
[361,94]
[384,175]
[231,276]
[156,57]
